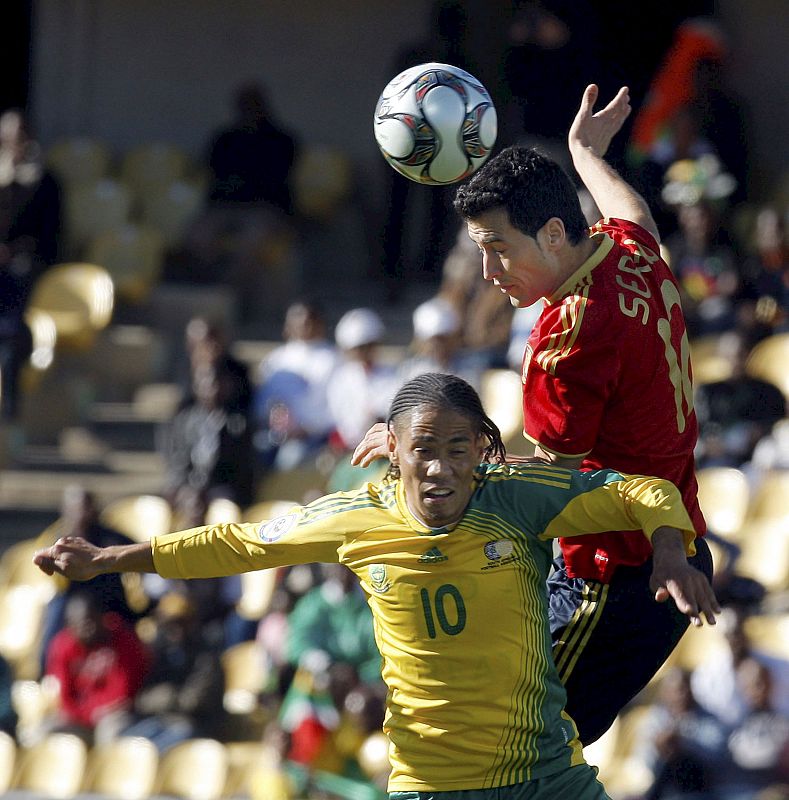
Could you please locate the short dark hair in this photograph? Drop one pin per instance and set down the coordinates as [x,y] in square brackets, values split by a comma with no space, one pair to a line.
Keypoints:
[450,392]
[531,187]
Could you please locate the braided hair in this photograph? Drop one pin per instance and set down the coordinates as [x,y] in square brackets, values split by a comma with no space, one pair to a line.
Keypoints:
[452,393]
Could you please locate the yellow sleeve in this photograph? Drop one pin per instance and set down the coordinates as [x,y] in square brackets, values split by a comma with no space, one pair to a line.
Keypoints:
[215,550]
[632,503]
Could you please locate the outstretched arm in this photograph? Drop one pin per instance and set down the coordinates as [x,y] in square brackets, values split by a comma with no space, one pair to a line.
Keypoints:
[79,560]
[673,577]
[588,140]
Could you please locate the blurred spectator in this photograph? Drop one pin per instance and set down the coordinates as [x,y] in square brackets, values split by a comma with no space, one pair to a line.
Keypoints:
[250,161]
[8,718]
[207,445]
[714,682]
[333,618]
[485,312]
[705,266]
[552,49]
[759,745]
[182,694]
[249,200]
[79,516]
[362,719]
[276,777]
[674,86]
[766,269]
[735,413]
[415,214]
[100,665]
[272,636]
[291,403]
[683,745]
[206,347]
[212,599]
[29,228]
[436,346]
[361,388]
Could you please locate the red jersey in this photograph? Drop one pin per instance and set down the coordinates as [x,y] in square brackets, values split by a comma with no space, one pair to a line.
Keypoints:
[98,678]
[607,376]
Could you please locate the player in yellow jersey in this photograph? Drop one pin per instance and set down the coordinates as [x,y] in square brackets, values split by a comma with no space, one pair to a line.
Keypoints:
[453,555]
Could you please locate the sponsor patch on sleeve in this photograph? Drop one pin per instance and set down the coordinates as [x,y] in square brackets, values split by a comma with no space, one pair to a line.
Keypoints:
[276,528]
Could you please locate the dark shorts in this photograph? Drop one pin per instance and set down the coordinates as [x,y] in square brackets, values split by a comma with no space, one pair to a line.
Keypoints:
[609,640]
[578,783]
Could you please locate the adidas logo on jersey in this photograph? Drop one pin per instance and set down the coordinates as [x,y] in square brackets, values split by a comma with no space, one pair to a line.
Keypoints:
[432,556]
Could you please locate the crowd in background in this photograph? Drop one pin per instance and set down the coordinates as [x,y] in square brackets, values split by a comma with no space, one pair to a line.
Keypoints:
[149,662]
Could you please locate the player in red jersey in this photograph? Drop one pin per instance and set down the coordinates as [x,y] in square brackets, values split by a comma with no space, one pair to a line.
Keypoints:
[606,381]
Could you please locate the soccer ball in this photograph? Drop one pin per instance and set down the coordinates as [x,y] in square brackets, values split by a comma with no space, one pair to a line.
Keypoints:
[435,123]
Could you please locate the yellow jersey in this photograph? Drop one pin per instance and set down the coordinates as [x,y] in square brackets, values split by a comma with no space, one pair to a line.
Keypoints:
[460,612]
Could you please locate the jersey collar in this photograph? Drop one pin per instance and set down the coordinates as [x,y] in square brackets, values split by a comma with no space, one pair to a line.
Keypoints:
[603,249]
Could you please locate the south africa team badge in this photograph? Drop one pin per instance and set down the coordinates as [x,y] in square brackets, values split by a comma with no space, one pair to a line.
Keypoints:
[378,580]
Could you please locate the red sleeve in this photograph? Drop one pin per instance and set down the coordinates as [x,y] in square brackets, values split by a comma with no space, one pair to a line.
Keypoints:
[570,370]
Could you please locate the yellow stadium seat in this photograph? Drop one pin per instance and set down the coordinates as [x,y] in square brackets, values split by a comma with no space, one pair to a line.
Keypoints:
[79,160]
[246,674]
[322,181]
[769,500]
[601,753]
[769,360]
[171,209]
[33,701]
[92,208]
[152,165]
[53,768]
[301,485]
[7,762]
[133,255]
[501,392]
[765,552]
[257,589]
[78,298]
[193,770]
[625,775]
[242,758]
[21,614]
[124,769]
[17,569]
[695,646]
[769,633]
[221,510]
[724,495]
[138,516]
[708,363]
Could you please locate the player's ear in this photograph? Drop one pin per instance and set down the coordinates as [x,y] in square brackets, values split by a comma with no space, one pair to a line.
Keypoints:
[553,233]
[391,443]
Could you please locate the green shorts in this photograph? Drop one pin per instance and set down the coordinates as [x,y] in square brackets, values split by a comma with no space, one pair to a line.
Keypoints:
[579,783]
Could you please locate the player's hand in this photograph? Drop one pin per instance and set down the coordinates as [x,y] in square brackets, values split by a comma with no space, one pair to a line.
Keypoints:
[70,556]
[594,131]
[688,587]
[373,446]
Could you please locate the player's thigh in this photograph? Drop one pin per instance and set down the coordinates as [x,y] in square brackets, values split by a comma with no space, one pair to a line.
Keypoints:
[579,783]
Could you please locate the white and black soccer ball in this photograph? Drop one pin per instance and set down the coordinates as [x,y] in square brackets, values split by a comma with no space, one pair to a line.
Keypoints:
[435,123]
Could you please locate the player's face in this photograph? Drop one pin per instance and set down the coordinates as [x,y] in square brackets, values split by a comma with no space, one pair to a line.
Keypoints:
[437,451]
[518,264]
